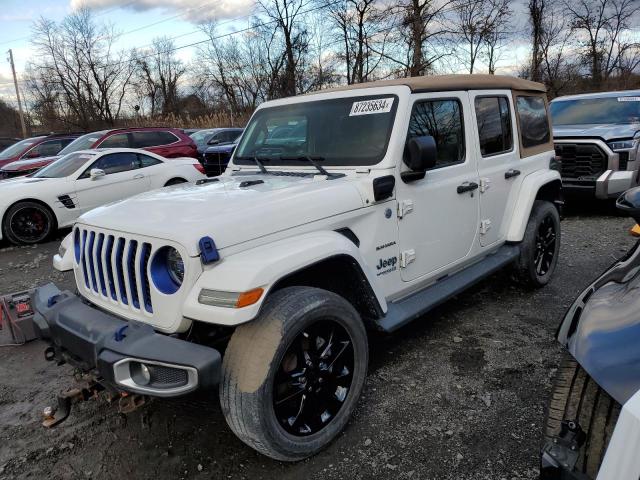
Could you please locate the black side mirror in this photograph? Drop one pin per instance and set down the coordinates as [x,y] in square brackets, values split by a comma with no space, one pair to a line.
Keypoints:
[629,202]
[420,154]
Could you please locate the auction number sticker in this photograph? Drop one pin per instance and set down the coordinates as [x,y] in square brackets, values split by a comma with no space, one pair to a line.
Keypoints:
[368,107]
[629,99]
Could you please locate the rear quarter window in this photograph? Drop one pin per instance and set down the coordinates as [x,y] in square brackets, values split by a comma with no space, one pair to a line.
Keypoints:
[153,139]
[533,121]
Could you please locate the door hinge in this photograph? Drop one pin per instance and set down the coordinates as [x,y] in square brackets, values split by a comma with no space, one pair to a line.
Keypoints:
[404,207]
[485,183]
[407,257]
[485,226]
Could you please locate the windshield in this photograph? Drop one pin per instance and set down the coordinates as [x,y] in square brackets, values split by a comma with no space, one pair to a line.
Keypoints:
[83,143]
[18,148]
[65,166]
[621,110]
[201,136]
[344,131]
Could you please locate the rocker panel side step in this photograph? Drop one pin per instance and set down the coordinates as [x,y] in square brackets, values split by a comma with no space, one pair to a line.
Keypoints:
[404,311]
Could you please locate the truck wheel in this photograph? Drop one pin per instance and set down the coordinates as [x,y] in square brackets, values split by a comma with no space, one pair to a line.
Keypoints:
[26,223]
[540,246]
[576,397]
[292,377]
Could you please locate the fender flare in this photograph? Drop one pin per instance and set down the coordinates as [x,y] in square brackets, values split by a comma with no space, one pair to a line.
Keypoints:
[601,330]
[266,265]
[529,189]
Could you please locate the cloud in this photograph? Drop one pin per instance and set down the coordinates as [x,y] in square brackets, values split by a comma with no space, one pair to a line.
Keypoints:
[196,11]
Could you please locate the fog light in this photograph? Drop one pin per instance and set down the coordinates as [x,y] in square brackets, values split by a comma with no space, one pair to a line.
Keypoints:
[140,373]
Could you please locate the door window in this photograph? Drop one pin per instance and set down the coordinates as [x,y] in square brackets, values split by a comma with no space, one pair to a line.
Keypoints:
[152,139]
[494,125]
[114,163]
[532,117]
[147,161]
[441,119]
[121,140]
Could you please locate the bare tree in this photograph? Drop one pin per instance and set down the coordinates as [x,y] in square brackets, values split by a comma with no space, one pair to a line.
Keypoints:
[77,65]
[361,31]
[537,12]
[475,21]
[286,16]
[419,24]
[599,25]
[158,75]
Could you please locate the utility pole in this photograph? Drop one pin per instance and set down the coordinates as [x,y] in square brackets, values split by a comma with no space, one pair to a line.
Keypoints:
[15,82]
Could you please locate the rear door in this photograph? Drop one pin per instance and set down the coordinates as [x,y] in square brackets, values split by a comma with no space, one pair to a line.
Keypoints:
[159,142]
[123,178]
[499,165]
[439,220]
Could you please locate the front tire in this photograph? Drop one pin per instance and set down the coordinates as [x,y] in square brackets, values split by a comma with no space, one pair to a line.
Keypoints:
[292,377]
[540,246]
[576,397]
[27,223]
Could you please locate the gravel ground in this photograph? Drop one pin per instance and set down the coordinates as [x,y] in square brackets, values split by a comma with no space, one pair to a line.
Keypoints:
[459,394]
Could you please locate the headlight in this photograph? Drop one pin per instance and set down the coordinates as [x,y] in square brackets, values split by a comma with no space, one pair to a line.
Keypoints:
[175,265]
[167,270]
[623,144]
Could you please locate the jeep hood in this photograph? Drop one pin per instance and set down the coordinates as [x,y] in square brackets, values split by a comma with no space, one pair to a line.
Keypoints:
[606,132]
[231,210]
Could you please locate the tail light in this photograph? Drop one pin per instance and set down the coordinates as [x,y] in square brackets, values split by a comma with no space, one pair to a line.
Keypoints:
[199,167]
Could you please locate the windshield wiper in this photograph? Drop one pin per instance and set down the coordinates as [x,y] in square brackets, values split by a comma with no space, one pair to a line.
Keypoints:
[314,162]
[259,163]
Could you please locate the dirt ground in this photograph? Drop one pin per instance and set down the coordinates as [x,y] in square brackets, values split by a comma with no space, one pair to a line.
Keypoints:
[459,394]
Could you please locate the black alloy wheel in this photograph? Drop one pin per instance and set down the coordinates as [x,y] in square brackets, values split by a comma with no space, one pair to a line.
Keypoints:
[314,378]
[28,223]
[545,245]
[540,247]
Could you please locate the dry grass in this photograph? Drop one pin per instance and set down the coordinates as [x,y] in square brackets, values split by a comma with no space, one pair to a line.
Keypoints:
[203,121]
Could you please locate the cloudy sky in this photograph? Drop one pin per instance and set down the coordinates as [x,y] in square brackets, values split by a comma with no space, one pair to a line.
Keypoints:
[139,21]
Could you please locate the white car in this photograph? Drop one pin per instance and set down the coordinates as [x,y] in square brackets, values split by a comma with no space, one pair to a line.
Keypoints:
[33,207]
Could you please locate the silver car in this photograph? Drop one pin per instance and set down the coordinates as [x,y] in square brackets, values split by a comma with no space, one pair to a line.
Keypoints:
[596,139]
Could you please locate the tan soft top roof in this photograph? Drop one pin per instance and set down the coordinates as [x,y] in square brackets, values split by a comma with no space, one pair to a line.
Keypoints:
[441,83]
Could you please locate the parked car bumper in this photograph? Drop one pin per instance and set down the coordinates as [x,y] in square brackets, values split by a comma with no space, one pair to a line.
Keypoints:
[127,356]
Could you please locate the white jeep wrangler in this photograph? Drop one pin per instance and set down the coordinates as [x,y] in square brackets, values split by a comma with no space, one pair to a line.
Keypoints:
[353,208]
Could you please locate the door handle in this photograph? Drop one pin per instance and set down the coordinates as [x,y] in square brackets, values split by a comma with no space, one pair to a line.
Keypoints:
[511,173]
[138,176]
[467,187]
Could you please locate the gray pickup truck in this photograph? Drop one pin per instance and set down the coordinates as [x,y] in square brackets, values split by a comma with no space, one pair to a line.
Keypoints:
[596,139]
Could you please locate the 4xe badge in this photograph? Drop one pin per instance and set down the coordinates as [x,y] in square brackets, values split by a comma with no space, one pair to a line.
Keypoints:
[386,265]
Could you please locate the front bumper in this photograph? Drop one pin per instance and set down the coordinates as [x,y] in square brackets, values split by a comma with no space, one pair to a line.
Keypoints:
[114,349]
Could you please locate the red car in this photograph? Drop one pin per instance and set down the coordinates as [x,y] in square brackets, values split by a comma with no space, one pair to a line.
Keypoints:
[167,142]
[35,147]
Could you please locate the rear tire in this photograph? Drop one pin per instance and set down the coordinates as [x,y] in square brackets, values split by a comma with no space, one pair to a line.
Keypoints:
[540,246]
[576,397]
[292,377]
[27,223]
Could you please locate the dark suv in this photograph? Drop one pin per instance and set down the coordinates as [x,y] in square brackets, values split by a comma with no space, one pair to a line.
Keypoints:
[36,147]
[167,142]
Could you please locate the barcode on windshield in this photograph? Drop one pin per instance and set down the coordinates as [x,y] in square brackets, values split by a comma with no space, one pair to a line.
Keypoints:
[368,107]
[629,99]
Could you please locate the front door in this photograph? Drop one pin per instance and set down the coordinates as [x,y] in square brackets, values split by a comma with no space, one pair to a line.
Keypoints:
[123,178]
[499,165]
[439,213]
